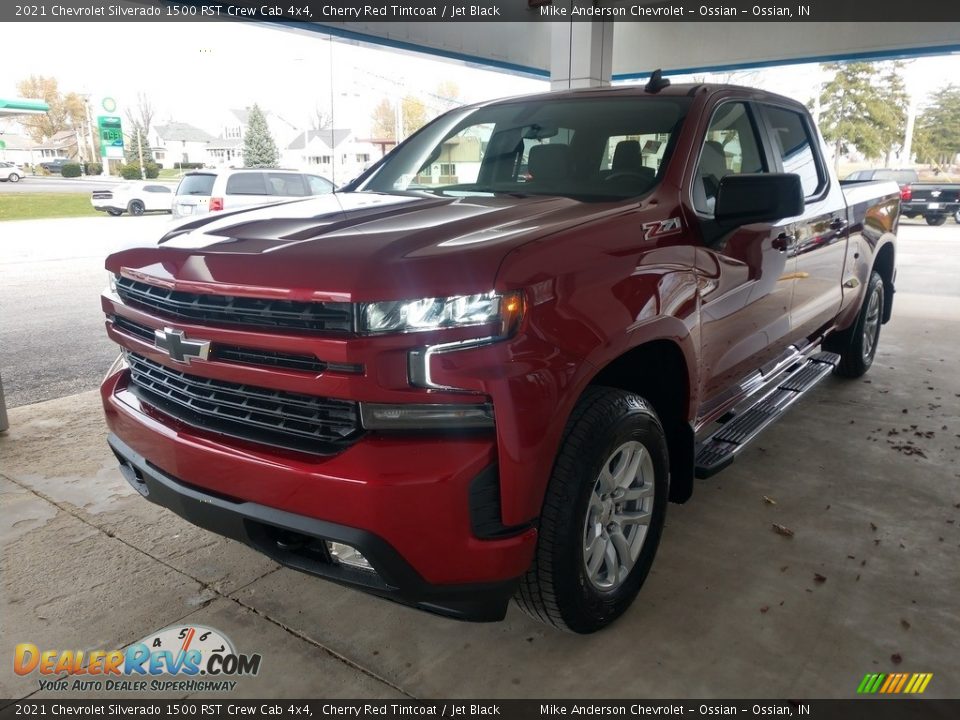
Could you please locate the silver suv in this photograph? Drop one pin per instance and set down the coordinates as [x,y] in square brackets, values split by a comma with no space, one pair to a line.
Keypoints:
[203,191]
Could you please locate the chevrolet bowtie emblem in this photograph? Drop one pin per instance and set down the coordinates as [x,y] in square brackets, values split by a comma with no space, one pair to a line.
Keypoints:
[175,344]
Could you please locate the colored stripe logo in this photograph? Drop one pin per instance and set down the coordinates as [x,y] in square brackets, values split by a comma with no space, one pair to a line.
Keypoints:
[894,683]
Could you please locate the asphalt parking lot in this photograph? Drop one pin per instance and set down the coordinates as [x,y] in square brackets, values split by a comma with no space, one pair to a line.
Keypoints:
[864,473]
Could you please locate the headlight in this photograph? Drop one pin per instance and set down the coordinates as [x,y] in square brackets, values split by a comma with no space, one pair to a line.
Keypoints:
[503,309]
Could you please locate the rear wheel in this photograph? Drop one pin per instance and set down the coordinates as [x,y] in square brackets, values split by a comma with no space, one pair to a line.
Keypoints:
[857,344]
[956,217]
[602,516]
[136,207]
[935,219]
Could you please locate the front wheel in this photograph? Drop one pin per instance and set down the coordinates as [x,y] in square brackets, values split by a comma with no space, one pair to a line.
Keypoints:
[602,516]
[115,213]
[956,217]
[857,344]
[935,220]
[14,177]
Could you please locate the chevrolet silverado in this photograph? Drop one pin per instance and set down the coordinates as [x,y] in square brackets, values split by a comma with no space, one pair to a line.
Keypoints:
[482,369]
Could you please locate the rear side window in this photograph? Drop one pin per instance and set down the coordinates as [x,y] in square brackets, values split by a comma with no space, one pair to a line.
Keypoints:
[319,185]
[156,189]
[286,184]
[196,185]
[794,143]
[247,184]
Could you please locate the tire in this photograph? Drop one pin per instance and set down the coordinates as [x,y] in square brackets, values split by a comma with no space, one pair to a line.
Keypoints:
[956,217]
[14,178]
[935,220]
[115,213]
[857,344]
[136,207]
[559,589]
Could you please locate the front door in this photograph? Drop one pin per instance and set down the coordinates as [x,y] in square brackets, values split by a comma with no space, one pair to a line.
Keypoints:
[745,275]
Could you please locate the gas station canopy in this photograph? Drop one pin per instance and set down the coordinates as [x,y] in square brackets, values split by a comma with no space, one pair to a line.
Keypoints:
[22,106]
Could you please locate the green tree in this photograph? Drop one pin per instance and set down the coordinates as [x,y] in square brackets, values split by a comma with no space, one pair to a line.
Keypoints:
[852,110]
[259,147]
[893,110]
[937,132]
[136,139]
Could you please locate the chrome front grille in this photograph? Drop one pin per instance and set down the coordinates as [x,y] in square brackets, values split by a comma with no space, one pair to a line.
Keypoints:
[262,415]
[333,317]
[245,355]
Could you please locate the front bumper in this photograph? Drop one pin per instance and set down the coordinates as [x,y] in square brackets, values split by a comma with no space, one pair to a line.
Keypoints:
[286,538]
[404,502]
[923,208]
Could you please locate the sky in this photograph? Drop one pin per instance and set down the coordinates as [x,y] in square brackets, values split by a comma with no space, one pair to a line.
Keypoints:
[192,71]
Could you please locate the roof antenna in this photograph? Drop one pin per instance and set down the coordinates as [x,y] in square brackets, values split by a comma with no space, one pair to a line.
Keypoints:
[657,82]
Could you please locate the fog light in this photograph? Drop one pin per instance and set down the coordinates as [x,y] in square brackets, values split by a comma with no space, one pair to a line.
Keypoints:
[349,556]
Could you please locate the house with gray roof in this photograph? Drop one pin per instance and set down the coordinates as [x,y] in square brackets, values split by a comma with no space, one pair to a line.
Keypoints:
[178,142]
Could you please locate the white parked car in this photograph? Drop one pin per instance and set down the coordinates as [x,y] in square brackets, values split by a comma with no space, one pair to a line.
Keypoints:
[10,172]
[203,191]
[136,198]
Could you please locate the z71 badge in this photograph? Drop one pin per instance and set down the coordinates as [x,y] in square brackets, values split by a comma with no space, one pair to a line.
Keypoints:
[659,228]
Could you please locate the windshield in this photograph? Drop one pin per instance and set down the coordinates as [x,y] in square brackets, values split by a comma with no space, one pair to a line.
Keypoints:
[200,184]
[589,148]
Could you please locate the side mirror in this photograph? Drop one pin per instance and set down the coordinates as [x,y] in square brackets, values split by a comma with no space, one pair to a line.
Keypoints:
[763,197]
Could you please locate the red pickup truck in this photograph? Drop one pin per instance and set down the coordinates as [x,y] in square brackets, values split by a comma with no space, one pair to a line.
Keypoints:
[481,370]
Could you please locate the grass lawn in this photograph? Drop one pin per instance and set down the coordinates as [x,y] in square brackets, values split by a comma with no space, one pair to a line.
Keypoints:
[35,206]
[169,174]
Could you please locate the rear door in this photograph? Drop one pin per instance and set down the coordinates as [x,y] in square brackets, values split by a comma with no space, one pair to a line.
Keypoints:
[157,197]
[817,240]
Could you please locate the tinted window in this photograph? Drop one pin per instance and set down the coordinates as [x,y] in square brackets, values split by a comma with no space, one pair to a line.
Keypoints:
[904,177]
[196,185]
[286,184]
[156,189]
[793,142]
[319,185]
[247,184]
[730,148]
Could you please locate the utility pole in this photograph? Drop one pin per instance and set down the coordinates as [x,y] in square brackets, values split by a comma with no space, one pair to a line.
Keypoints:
[143,174]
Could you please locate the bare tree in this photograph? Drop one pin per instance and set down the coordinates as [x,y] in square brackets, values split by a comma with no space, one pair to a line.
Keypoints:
[321,119]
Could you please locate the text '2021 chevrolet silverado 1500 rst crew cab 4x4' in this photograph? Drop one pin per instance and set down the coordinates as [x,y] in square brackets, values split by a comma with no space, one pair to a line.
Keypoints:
[481,370]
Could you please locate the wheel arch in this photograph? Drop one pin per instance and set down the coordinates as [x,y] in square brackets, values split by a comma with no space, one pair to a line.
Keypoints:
[884,264]
[658,370]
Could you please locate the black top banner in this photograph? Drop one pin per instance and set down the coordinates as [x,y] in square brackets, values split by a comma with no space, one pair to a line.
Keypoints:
[341,11]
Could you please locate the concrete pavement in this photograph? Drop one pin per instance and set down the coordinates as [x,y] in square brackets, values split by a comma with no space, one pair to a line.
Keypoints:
[864,472]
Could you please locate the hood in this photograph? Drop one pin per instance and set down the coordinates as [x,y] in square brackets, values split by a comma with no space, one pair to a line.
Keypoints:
[355,246]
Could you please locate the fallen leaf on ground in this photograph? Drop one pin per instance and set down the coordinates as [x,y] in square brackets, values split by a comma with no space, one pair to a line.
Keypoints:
[818,578]
[769,500]
[764,608]
[904,624]
[896,658]
[781,530]
[873,527]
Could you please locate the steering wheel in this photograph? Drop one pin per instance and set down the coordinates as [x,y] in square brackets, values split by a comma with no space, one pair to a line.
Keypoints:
[623,174]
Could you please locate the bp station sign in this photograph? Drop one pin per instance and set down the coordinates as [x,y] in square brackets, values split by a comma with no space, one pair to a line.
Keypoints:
[110,130]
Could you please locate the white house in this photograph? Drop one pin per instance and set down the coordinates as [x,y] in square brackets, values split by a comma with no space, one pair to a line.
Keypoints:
[227,149]
[334,153]
[177,142]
